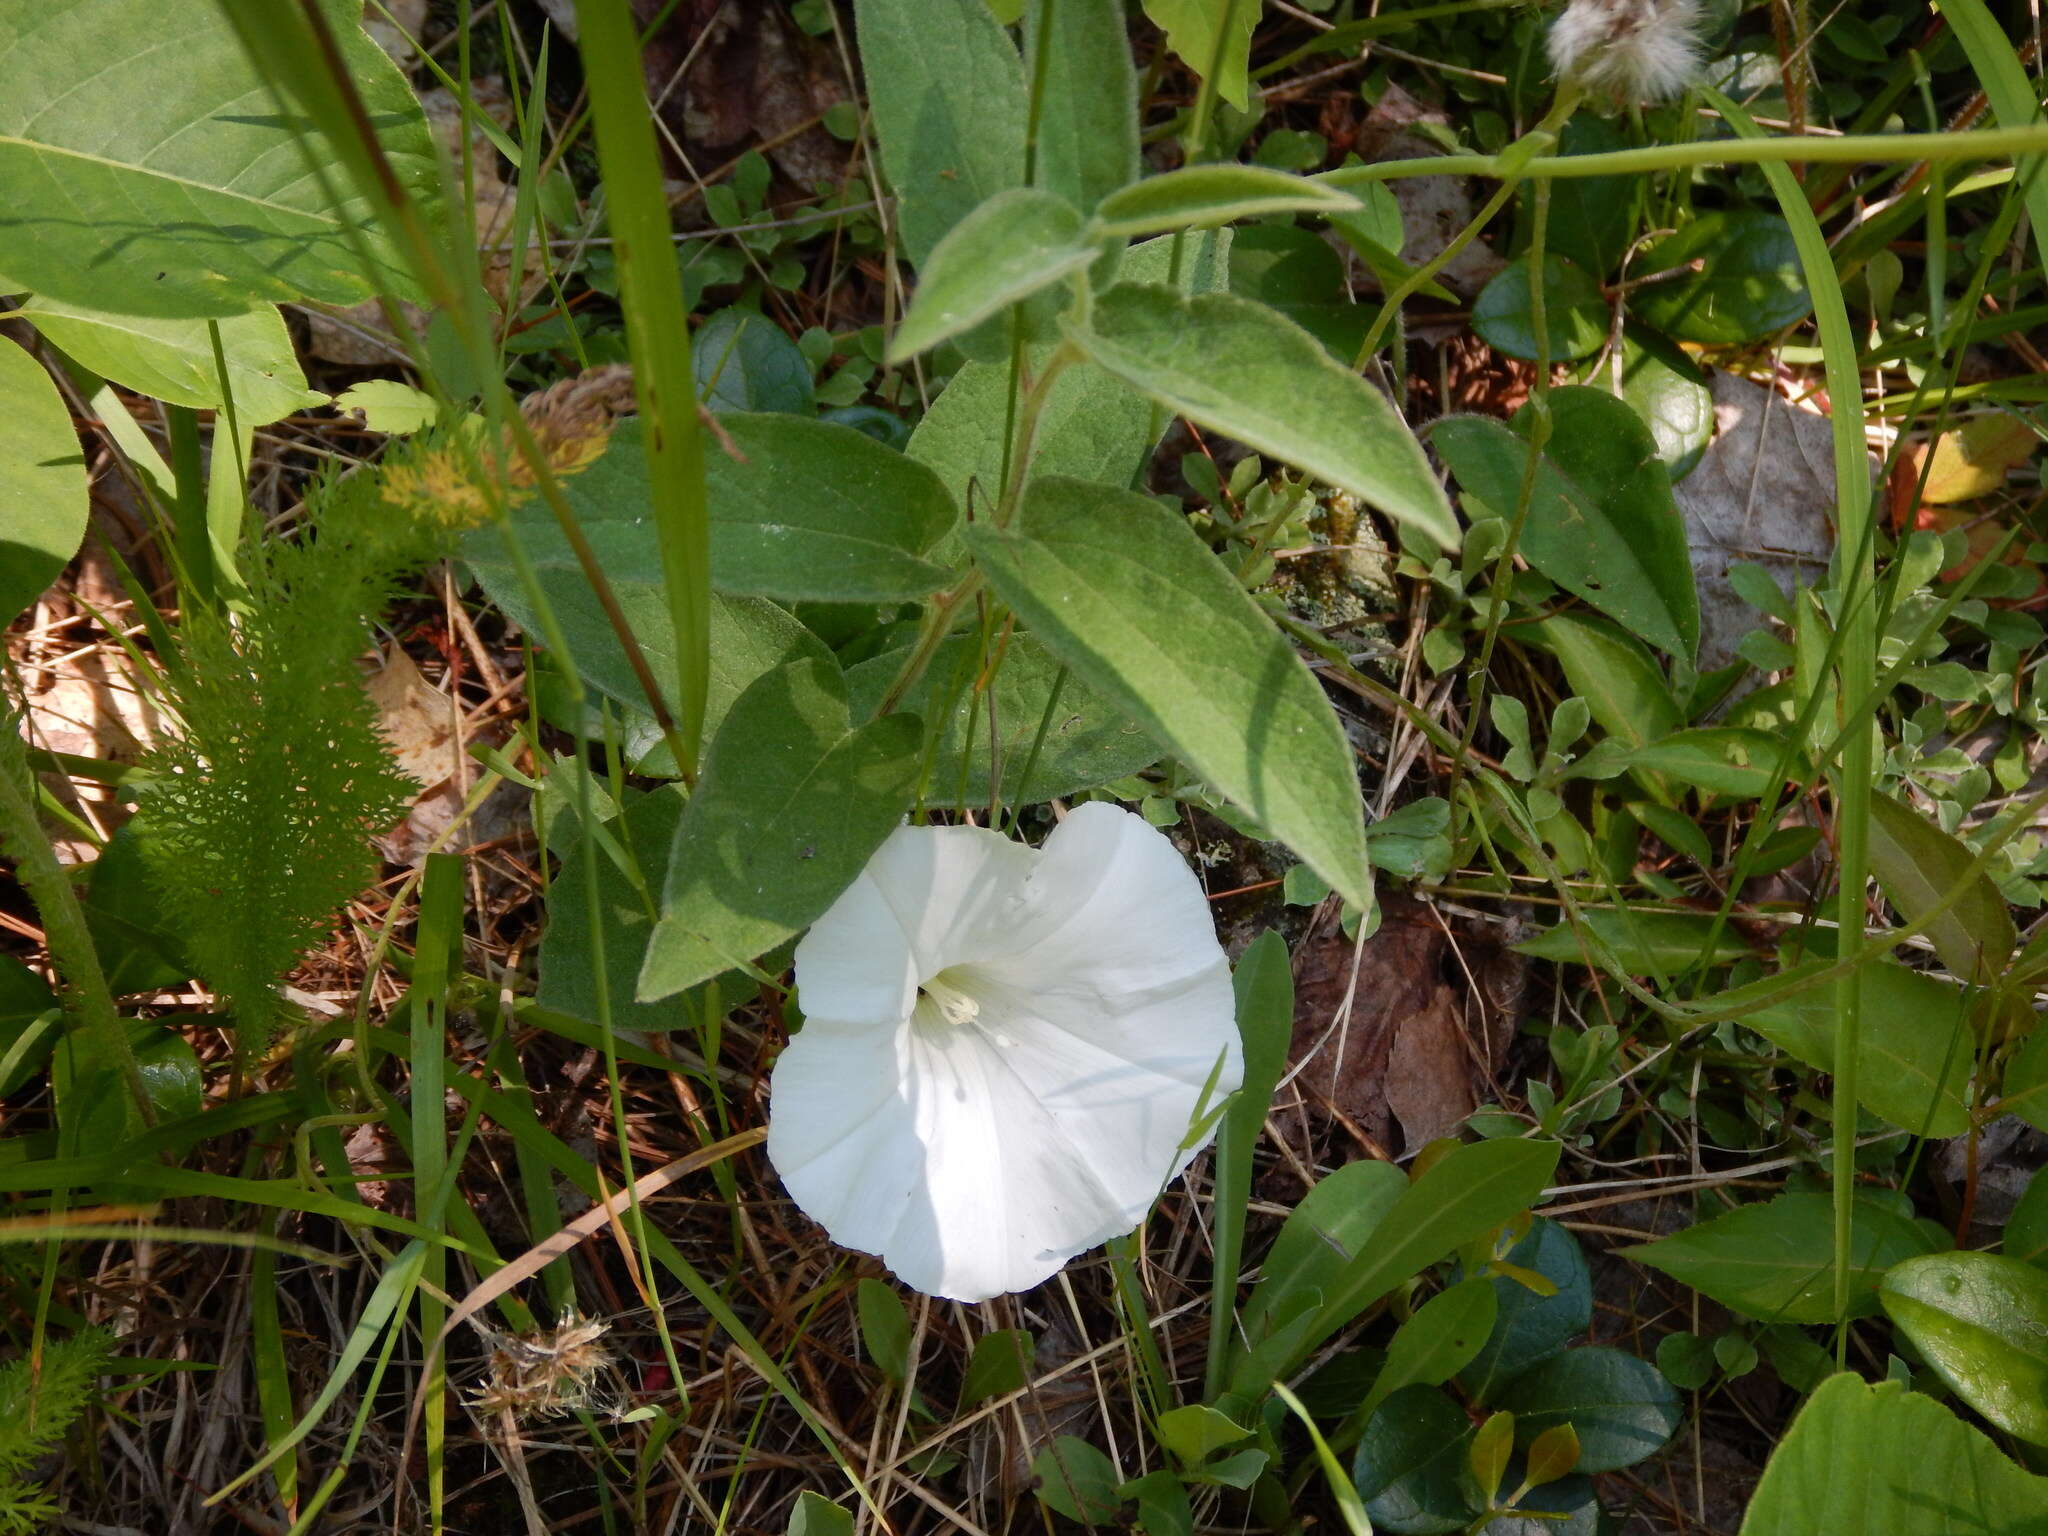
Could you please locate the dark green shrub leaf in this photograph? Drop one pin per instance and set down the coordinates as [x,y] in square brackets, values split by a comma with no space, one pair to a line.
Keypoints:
[792,802]
[1981,1319]
[1128,595]
[1592,218]
[1574,310]
[1528,1327]
[1410,1465]
[1621,1407]
[1738,278]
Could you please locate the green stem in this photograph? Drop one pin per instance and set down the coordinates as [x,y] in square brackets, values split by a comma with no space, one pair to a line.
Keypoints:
[87,998]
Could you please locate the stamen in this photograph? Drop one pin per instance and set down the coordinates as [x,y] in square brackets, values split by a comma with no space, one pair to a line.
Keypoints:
[952,1002]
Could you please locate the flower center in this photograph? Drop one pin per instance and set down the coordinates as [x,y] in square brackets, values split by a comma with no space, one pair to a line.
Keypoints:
[949,997]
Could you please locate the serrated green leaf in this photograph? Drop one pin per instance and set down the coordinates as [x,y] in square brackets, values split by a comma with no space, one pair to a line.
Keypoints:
[1281,394]
[1128,595]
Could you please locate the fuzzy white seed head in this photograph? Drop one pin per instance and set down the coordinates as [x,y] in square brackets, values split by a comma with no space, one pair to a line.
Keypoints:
[1637,50]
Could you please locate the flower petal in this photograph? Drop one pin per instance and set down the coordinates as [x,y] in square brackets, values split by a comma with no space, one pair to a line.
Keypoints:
[839,1134]
[1113,900]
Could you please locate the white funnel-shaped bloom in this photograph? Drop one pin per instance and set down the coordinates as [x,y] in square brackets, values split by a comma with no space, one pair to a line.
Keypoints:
[1003,1050]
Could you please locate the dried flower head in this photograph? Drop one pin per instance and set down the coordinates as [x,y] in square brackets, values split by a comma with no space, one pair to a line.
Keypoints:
[537,1376]
[1634,50]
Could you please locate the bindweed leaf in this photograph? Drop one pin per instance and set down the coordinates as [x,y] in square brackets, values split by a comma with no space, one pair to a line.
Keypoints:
[1574,312]
[1621,1408]
[1197,196]
[43,502]
[1001,253]
[792,802]
[1774,1261]
[1737,277]
[1282,395]
[1074,1479]
[999,1364]
[884,1328]
[1128,595]
[1601,520]
[1981,1320]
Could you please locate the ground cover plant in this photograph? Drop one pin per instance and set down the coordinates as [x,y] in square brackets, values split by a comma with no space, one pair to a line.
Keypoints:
[980,765]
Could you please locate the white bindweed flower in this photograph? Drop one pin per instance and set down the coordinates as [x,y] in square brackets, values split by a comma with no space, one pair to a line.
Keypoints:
[1004,1049]
[1636,50]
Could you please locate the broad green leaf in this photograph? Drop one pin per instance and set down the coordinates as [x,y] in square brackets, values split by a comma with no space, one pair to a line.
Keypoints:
[1529,1327]
[1917,863]
[1009,248]
[814,512]
[172,359]
[1775,1260]
[1981,1319]
[43,502]
[1198,196]
[1645,943]
[748,636]
[1297,272]
[1463,1195]
[884,1327]
[1592,218]
[2026,1230]
[792,802]
[1440,1340]
[1410,1465]
[1614,673]
[125,915]
[1087,742]
[1194,1432]
[1864,1460]
[1328,1226]
[2025,1089]
[999,1364]
[1211,35]
[1915,1052]
[947,91]
[1621,1406]
[1737,278]
[1092,427]
[743,361]
[1574,310]
[1128,595]
[1601,520]
[1281,394]
[1087,143]
[145,166]
[632,867]
[389,406]
[1664,387]
[1720,759]
[25,999]
[816,1515]
[1074,1479]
